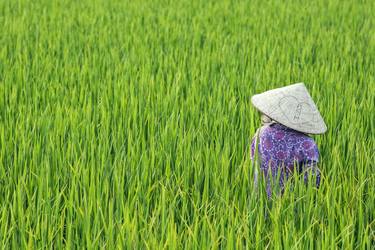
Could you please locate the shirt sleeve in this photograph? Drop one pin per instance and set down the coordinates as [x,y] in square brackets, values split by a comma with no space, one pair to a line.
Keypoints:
[310,152]
[252,148]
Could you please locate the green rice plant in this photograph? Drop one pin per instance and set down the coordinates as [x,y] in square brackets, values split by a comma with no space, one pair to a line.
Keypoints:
[127,124]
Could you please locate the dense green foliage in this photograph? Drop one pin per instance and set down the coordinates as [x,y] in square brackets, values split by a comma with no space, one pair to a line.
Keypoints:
[128,123]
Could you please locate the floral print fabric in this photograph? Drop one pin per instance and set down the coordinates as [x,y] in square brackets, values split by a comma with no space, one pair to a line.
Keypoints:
[282,150]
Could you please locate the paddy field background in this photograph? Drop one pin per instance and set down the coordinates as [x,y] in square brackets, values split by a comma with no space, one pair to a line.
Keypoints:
[127,124]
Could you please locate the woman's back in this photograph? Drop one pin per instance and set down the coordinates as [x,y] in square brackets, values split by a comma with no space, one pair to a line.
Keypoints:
[281,148]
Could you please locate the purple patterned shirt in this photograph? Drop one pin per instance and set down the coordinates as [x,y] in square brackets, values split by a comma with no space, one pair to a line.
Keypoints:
[281,149]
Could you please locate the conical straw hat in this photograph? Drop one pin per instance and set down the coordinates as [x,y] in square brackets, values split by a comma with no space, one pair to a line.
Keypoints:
[293,107]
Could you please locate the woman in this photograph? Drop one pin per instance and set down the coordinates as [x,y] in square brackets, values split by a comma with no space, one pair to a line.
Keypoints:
[288,115]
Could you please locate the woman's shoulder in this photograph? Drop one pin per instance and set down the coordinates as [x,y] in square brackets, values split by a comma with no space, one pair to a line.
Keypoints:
[271,129]
[281,129]
[280,133]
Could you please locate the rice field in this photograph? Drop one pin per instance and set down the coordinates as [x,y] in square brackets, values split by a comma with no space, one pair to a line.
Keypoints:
[127,124]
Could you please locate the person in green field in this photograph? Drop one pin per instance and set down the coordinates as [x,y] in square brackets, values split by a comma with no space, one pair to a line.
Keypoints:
[283,143]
